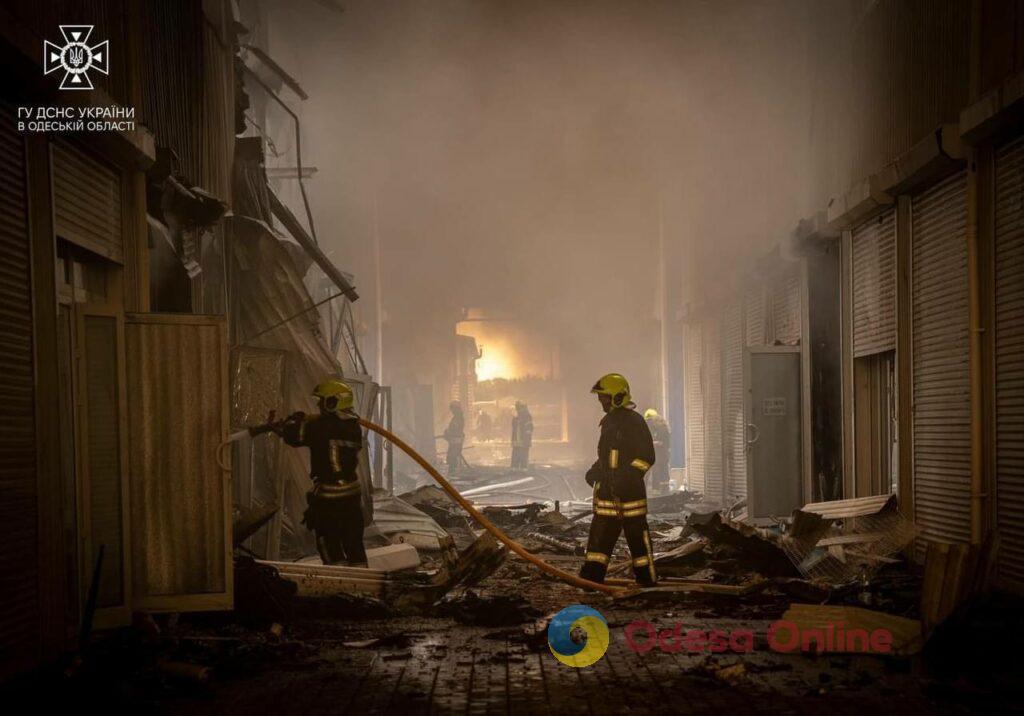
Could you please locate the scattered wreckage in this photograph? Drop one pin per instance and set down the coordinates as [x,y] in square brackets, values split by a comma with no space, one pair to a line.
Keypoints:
[836,560]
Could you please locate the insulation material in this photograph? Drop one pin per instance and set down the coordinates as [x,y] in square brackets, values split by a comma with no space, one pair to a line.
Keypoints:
[257,385]
[180,498]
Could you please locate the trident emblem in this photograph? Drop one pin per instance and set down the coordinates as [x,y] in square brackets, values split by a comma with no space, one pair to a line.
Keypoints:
[76,57]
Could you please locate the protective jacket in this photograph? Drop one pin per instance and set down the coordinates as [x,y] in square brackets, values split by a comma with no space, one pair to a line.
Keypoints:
[522,429]
[625,452]
[334,443]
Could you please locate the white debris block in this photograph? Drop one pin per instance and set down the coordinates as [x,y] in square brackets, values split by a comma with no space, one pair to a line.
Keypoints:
[393,557]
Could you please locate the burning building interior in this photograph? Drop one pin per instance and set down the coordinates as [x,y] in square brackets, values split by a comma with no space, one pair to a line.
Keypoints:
[438,356]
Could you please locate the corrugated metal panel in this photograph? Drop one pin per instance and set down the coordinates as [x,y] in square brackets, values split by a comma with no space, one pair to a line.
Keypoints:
[170,62]
[87,202]
[941,396]
[786,324]
[218,135]
[693,368]
[892,71]
[714,483]
[734,454]
[102,450]
[1009,361]
[177,376]
[19,575]
[874,285]
[754,320]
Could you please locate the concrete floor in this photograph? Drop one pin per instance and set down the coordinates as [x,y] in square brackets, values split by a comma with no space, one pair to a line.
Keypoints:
[447,665]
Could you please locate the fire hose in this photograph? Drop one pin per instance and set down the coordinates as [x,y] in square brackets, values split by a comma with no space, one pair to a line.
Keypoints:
[480,518]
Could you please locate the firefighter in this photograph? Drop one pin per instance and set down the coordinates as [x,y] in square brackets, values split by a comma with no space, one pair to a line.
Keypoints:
[625,452]
[662,450]
[522,437]
[334,438]
[455,436]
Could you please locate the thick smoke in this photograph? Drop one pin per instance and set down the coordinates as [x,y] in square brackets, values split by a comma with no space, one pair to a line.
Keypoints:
[522,158]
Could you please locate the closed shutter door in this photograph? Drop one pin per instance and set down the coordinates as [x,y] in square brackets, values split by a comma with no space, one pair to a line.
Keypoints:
[178,415]
[694,409]
[941,400]
[786,308]
[19,597]
[874,285]
[86,202]
[713,473]
[1009,362]
[732,403]
[753,306]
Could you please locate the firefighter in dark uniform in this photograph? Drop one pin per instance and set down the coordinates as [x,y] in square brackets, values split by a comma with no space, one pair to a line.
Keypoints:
[522,437]
[334,438]
[625,452]
[455,436]
[662,450]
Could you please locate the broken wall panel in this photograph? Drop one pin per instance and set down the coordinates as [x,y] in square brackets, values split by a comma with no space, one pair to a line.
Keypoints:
[180,497]
[274,311]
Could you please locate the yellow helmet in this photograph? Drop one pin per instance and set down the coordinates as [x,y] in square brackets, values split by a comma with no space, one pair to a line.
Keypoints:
[615,386]
[650,413]
[335,396]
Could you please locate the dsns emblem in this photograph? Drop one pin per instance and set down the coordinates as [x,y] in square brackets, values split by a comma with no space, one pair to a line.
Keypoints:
[76,57]
[578,636]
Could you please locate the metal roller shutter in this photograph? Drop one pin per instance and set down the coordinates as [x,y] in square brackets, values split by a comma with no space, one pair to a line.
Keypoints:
[786,308]
[941,384]
[713,476]
[1009,361]
[733,445]
[19,569]
[874,285]
[86,202]
[693,354]
[754,323]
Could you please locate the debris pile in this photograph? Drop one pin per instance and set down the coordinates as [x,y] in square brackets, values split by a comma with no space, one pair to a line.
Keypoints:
[847,539]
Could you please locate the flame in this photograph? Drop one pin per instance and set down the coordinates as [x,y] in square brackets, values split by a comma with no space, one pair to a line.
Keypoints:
[494,363]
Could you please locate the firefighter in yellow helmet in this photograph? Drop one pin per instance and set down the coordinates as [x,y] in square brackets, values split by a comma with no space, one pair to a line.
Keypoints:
[625,453]
[334,439]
